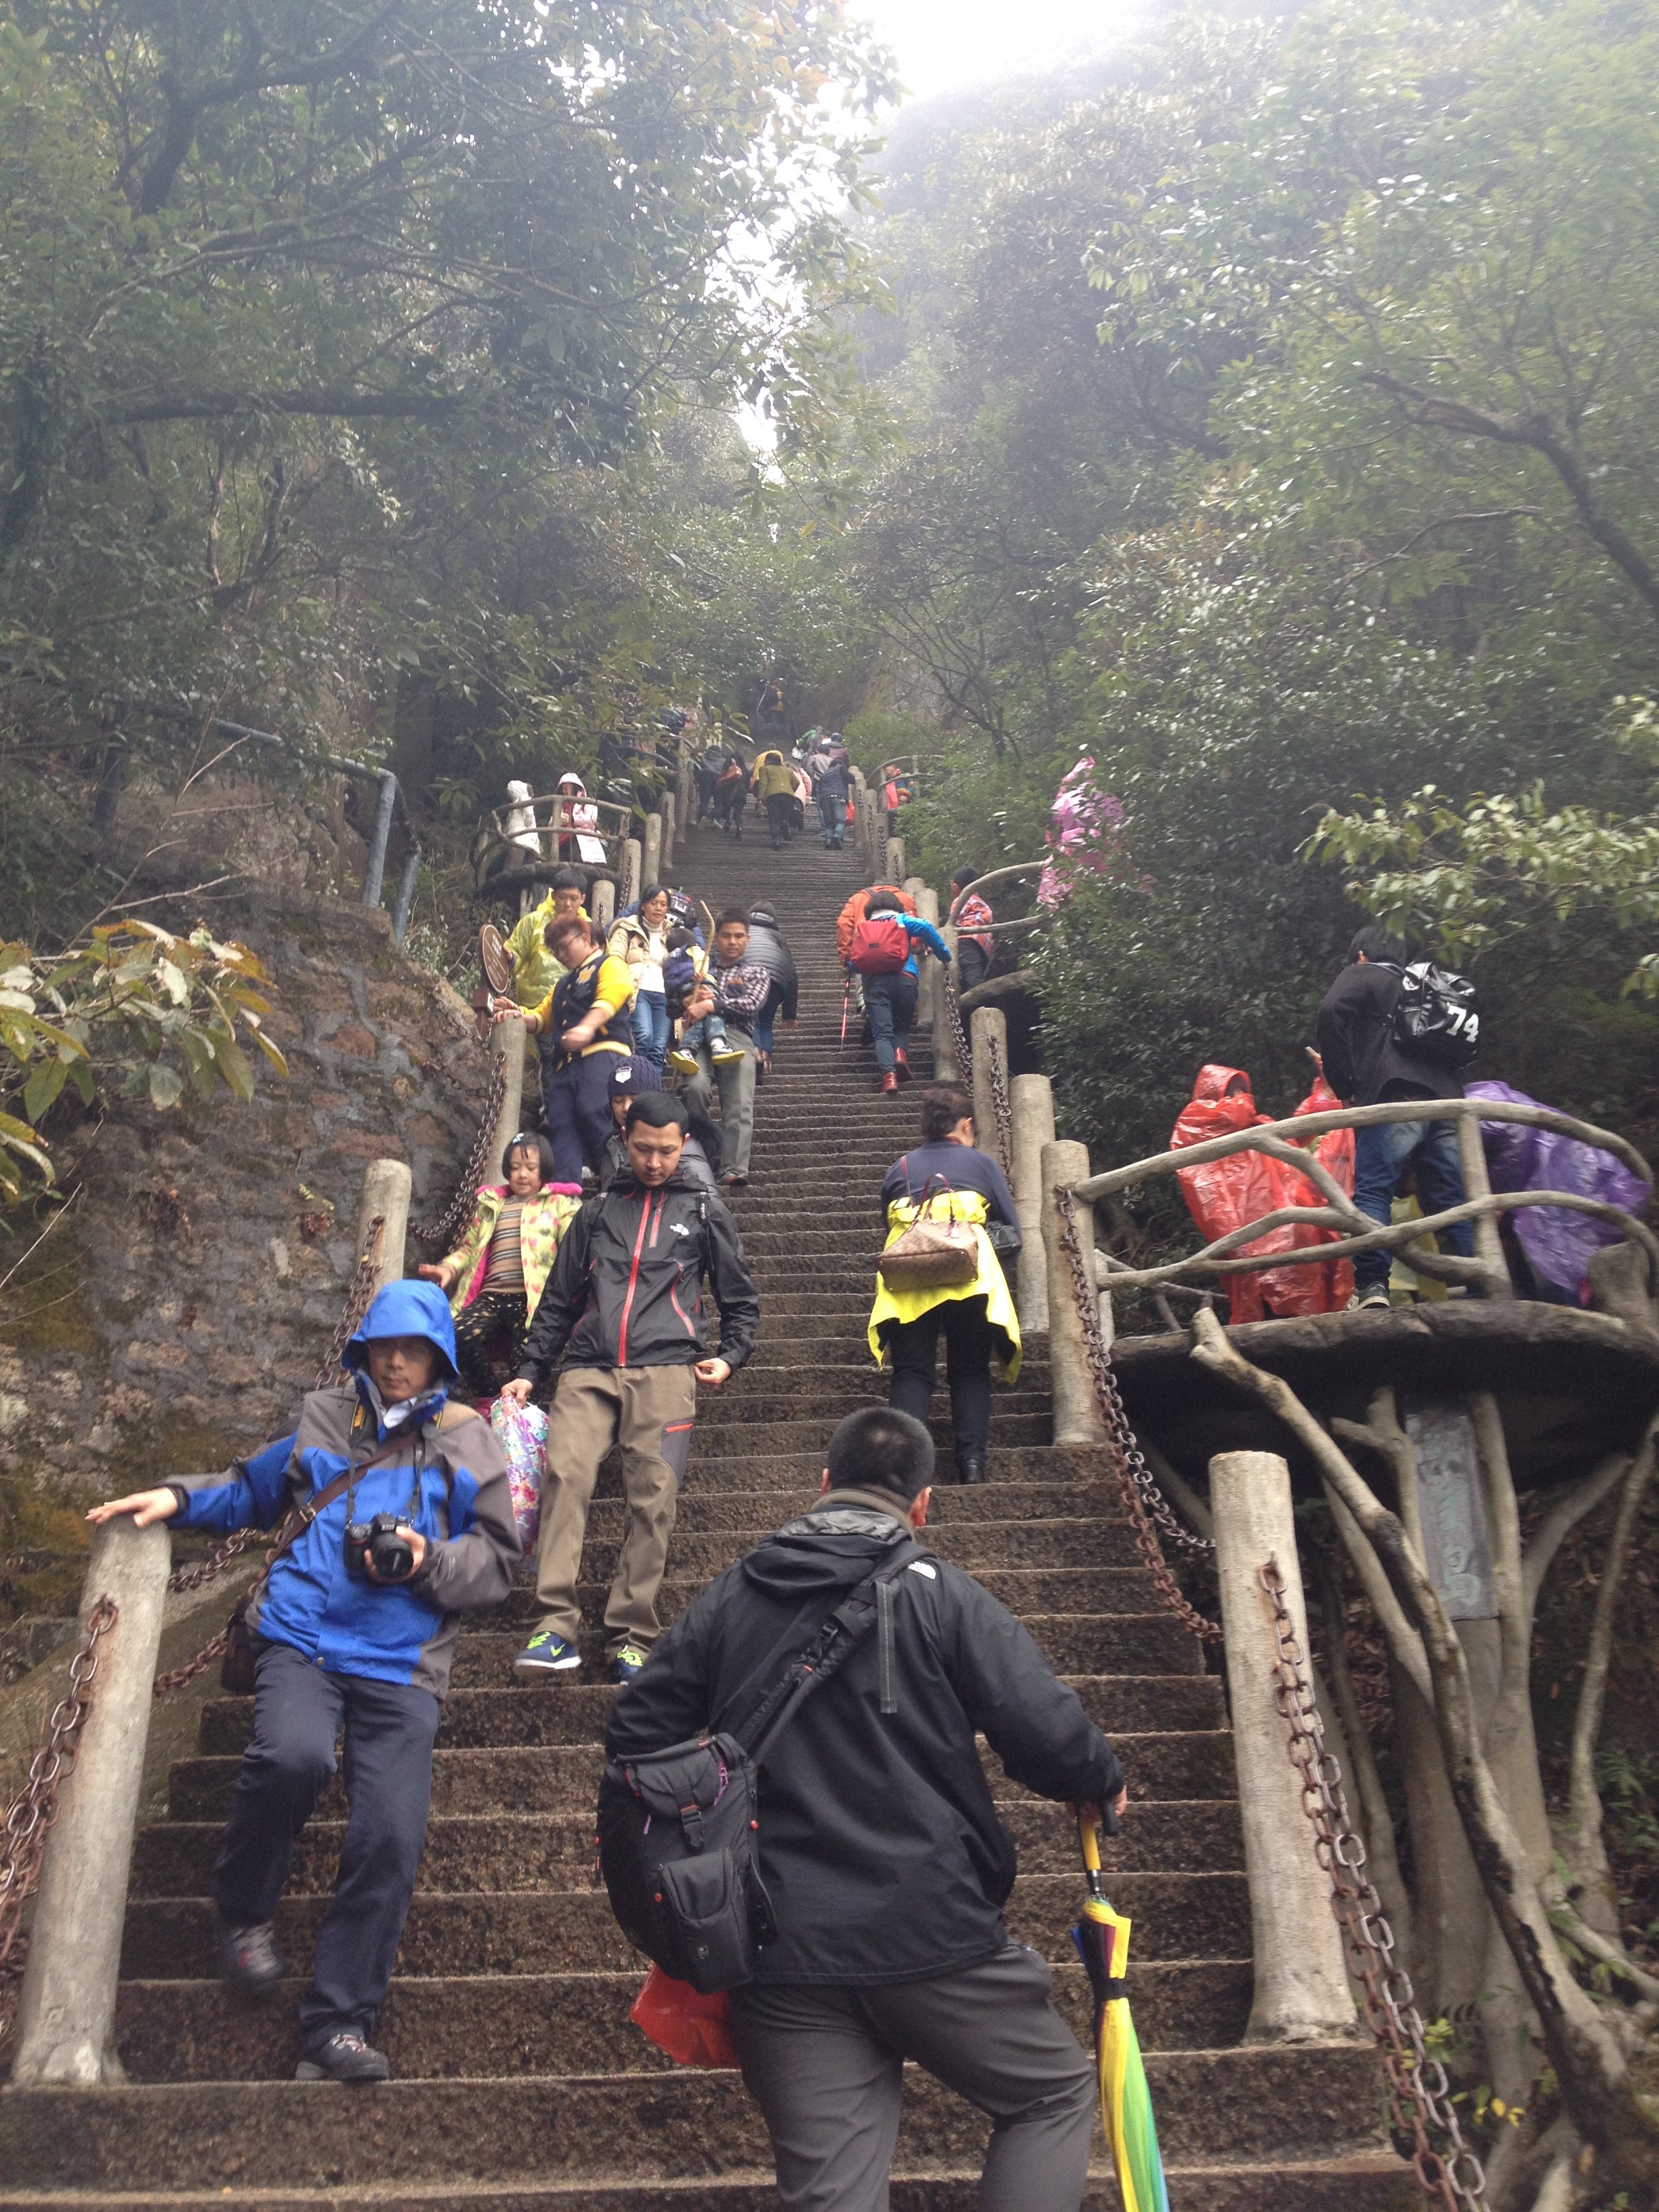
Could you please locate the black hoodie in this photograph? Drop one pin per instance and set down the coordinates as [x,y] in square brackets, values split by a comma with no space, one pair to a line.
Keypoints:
[878,1840]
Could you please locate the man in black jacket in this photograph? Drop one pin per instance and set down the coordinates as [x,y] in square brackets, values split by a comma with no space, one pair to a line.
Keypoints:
[624,1305]
[879,1844]
[1364,1063]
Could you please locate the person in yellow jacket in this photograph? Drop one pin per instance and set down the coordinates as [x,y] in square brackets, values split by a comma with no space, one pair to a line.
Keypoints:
[535,968]
[495,1275]
[951,1179]
[774,786]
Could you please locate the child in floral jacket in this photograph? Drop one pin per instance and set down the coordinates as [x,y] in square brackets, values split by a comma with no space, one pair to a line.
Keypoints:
[496,1273]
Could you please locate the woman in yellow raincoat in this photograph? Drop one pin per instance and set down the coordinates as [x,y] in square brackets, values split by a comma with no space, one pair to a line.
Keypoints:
[947,1174]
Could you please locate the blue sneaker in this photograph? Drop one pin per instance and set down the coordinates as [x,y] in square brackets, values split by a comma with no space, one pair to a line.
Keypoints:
[624,1667]
[546,1653]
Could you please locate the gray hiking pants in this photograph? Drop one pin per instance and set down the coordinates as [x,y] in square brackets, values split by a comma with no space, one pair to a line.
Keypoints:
[825,2065]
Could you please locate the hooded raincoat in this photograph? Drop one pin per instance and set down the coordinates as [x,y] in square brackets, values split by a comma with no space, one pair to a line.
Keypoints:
[1223,1194]
[449,1481]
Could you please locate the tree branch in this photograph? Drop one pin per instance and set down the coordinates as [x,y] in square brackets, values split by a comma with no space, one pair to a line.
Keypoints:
[1564,1515]
[1537,432]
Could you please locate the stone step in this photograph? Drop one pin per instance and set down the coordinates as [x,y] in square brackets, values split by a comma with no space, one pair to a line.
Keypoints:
[573,1711]
[564,1777]
[1072,1589]
[1177,1917]
[1366,2182]
[1010,1426]
[1242,2104]
[492,1851]
[1153,1642]
[445,2027]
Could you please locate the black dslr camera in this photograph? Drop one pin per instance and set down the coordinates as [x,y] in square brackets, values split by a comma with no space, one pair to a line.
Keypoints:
[385,1540]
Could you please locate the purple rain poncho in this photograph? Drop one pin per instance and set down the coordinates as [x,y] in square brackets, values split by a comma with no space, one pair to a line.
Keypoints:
[1557,1244]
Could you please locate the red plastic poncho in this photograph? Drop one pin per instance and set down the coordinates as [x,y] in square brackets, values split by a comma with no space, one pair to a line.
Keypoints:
[1224,1195]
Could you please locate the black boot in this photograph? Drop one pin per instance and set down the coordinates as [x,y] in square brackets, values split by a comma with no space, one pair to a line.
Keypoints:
[970,1464]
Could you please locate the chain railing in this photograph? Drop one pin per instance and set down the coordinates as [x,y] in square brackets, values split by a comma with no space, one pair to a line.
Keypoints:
[359,1291]
[1420,2097]
[1000,1103]
[1149,1509]
[960,1046]
[31,1814]
[480,1166]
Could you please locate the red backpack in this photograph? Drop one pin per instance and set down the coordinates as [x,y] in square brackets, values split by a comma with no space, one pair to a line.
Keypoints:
[881,945]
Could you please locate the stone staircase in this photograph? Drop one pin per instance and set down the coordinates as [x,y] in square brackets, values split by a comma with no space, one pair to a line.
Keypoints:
[518,2080]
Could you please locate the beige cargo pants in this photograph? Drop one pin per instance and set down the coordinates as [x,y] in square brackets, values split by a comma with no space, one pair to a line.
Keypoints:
[649,1411]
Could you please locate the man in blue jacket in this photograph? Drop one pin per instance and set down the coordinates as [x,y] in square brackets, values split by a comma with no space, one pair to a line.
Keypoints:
[355,1635]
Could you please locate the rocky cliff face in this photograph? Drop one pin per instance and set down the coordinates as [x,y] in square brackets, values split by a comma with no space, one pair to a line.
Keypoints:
[178,1311]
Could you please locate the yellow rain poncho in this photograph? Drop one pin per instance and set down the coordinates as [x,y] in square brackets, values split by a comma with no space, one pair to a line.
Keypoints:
[989,1282]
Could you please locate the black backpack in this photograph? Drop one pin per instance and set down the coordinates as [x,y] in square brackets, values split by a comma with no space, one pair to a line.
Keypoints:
[678,1827]
[1436,1015]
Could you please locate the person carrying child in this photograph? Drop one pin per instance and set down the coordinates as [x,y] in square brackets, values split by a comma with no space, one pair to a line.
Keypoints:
[403,1521]
[494,1276]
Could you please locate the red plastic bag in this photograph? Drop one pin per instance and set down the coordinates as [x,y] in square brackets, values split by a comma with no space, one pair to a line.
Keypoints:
[694,2030]
[1224,1195]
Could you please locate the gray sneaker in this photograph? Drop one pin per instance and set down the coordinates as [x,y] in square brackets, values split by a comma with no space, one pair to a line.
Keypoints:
[248,1957]
[343,2057]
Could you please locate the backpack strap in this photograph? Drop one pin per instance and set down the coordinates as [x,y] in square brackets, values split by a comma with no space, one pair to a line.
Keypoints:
[848,1625]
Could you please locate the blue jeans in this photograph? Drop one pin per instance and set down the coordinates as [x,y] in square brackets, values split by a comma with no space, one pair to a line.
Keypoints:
[650,1027]
[764,1020]
[890,1005]
[709,1030]
[832,813]
[1381,1152]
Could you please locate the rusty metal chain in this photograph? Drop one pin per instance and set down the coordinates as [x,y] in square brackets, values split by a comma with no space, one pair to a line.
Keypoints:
[31,1814]
[359,1291]
[478,1166]
[963,1050]
[1000,1100]
[1419,2100]
[1145,1502]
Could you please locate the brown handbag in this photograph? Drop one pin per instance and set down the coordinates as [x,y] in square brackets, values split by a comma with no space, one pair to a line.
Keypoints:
[931,1255]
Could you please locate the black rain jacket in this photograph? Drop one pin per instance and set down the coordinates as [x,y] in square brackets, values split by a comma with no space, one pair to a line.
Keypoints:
[878,1841]
[1354,1034]
[626,1290]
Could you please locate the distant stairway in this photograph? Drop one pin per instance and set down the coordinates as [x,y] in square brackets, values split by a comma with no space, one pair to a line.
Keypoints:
[520,2082]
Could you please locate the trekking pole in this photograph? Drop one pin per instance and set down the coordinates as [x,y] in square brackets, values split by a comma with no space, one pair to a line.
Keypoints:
[845,1001]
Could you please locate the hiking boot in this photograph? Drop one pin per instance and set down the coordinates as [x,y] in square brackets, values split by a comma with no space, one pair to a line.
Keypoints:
[732,1180]
[546,1653]
[343,2057]
[888,1080]
[901,1065]
[248,1957]
[725,1053]
[626,1664]
[681,1062]
[970,1466]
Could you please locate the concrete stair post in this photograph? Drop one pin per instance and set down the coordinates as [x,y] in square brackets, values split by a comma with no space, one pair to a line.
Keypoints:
[630,881]
[506,1043]
[1032,1098]
[670,823]
[387,1188]
[651,853]
[988,1039]
[66,2015]
[1301,1984]
[602,903]
[892,865]
[1076,1415]
[927,999]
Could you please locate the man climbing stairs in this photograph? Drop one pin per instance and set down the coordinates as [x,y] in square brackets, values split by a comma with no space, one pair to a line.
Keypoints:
[518,2080]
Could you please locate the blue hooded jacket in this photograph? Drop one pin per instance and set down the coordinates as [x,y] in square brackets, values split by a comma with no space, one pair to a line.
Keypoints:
[448,1479]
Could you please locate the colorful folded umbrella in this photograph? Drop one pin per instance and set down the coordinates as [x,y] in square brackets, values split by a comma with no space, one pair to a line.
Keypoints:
[1102,1937]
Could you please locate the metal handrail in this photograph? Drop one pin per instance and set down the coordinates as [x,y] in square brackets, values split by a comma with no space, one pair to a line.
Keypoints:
[1355,1231]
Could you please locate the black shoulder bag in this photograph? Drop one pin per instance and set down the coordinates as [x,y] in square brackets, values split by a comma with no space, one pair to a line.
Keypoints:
[677,1828]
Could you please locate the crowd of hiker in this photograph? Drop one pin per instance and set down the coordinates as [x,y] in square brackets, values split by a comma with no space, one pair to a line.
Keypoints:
[596,1286]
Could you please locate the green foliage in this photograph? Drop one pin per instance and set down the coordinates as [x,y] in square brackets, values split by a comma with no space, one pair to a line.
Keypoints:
[135,1011]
